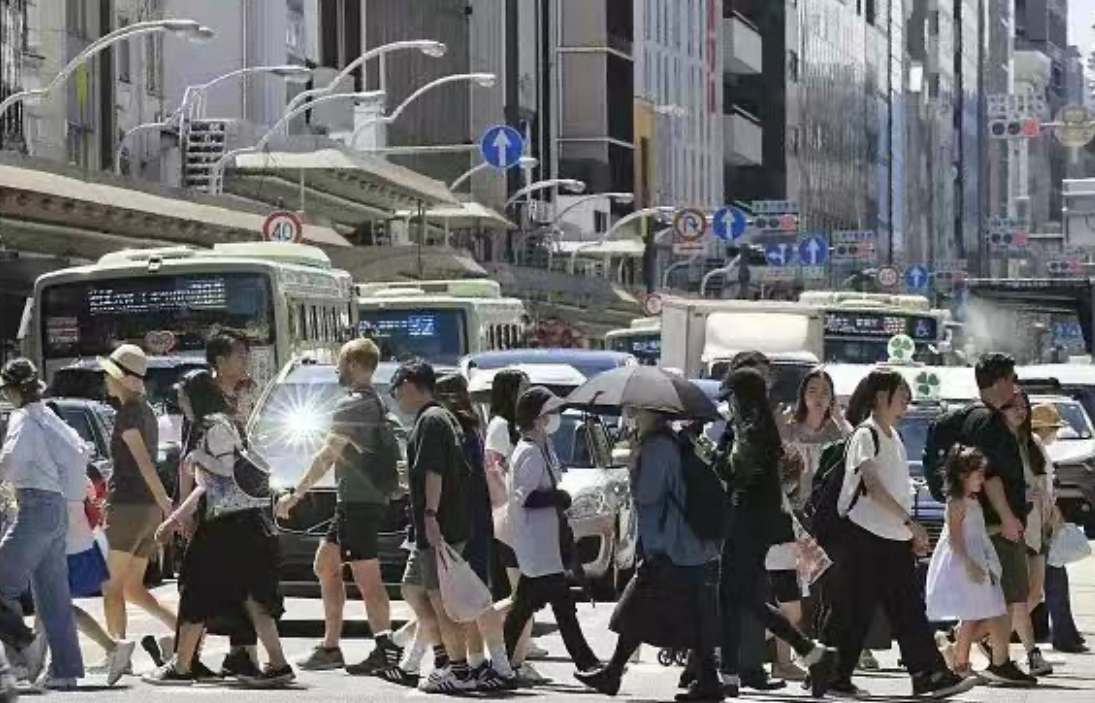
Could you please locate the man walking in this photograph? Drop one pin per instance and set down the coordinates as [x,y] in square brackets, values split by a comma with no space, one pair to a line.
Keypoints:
[353,448]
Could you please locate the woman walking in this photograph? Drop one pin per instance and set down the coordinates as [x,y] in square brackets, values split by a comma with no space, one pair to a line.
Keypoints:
[673,600]
[136,499]
[541,536]
[232,559]
[34,546]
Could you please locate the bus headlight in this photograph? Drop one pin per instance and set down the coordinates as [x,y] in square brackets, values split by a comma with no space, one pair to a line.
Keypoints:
[588,505]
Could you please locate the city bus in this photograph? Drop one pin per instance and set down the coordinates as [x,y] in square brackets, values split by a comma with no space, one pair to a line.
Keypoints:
[286,298]
[440,321]
[643,339]
[858,326]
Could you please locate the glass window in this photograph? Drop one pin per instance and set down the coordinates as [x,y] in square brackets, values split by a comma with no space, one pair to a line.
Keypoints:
[91,318]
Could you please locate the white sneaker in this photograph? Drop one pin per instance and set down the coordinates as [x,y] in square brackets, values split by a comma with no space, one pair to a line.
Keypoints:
[535,651]
[445,681]
[119,662]
[529,674]
[34,656]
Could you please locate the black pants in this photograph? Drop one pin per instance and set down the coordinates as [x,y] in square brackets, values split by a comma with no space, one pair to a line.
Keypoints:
[870,571]
[1059,605]
[743,588]
[532,595]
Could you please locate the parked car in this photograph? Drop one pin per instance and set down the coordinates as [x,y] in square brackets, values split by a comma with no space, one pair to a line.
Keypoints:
[1073,456]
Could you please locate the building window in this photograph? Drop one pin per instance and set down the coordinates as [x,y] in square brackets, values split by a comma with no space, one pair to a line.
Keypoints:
[76,18]
[123,55]
[153,63]
[792,66]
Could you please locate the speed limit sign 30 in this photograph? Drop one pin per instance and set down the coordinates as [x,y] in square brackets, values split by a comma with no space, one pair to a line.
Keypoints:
[284,227]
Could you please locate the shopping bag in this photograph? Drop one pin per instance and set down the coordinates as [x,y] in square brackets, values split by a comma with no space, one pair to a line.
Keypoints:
[812,559]
[465,596]
[1069,545]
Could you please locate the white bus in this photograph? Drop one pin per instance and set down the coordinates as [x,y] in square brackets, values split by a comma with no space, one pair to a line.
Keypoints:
[440,321]
[643,339]
[859,326]
[286,298]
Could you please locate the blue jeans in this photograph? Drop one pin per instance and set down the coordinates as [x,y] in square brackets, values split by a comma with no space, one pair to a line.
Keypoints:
[34,548]
[1059,605]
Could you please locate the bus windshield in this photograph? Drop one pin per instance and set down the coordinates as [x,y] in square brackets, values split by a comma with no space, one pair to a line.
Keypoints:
[438,335]
[647,347]
[89,318]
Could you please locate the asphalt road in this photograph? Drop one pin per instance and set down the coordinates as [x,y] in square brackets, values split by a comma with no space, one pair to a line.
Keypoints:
[646,680]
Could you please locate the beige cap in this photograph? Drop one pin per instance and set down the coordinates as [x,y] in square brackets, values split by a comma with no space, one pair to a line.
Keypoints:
[128,365]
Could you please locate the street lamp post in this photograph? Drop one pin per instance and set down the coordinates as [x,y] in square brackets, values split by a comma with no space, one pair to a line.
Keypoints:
[524,162]
[569,184]
[193,101]
[217,173]
[188,29]
[657,211]
[485,80]
[620,198]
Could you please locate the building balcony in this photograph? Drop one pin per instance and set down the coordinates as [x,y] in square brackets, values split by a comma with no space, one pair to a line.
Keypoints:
[743,138]
[743,47]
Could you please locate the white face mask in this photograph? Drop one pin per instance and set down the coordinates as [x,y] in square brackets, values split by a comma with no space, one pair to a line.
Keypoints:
[554,422]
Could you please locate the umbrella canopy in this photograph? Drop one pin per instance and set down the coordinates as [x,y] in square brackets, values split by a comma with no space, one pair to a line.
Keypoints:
[646,388]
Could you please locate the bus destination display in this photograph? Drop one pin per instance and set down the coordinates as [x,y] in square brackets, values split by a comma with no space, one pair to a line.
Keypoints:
[869,324]
[193,294]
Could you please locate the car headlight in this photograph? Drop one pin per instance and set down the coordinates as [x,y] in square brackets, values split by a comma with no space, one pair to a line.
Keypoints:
[589,504]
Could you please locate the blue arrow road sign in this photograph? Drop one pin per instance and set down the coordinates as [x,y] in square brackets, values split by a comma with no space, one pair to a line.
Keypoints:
[502,146]
[779,254]
[916,277]
[813,251]
[730,223]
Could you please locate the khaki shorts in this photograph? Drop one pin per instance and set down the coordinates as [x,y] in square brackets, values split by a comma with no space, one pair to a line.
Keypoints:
[131,529]
[1015,581]
[422,568]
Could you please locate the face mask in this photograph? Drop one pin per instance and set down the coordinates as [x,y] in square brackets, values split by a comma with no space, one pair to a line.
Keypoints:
[554,422]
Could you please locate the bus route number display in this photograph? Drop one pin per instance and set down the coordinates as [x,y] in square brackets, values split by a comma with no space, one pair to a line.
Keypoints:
[208,294]
[852,324]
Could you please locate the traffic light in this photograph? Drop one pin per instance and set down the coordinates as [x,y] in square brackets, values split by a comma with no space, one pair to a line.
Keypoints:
[786,222]
[1008,239]
[1063,268]
[853,250]
[1025,128]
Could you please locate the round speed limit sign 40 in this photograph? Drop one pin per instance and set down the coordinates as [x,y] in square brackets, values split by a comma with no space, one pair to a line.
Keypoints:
[283,227]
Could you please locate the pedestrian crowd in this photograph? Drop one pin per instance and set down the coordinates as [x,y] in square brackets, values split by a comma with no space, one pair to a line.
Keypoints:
[797,523]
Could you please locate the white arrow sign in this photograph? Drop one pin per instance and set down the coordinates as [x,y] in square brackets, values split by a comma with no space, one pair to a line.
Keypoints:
[502,144]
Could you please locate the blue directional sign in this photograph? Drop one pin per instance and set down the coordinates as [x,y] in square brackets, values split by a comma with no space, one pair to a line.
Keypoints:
[779,253]
[813,251]
[502,146]
[730,223]
[917,277]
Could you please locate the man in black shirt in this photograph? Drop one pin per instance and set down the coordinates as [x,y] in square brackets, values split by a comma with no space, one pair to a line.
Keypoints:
[438,477]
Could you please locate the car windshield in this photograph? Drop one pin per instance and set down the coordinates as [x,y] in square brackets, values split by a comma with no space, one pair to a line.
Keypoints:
[572,443]
[292,423]
[1077,423]
[914,433]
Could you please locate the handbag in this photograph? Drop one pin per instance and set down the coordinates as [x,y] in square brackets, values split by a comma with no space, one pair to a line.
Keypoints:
[464,594]
[1069,546]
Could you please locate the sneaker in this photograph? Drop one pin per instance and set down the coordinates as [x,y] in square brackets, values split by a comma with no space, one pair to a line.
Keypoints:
[759,680]
[445,680]
[270,677]
[49,682]
[528,676]
[384,655]
[1071,648]
[202,673]
[119,662]
[868,662]
[788,672]
[731,686]
[487,679]
[168,675]
[398,675]
[535,651]
[698,693]
[323,659]
[941,684]
[600,680]
[238,664]
[846,689]
[1007,674]
[1037,663]
[822,662]
[34,656]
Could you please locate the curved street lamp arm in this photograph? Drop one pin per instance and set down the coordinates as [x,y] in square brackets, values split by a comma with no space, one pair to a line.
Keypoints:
[462,179]
[127,32]
[615,197]
[139,128]
[569,183]
[20,97]
[734,263]
[395,114]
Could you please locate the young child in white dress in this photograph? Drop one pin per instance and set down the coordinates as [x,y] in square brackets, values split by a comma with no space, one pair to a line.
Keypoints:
[964,576]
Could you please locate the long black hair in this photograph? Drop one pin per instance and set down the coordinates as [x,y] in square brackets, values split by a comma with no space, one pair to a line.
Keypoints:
[863,400]
[752,411]
[800,410]
[503,398]
[199,397]
[1025,434]
[961,462]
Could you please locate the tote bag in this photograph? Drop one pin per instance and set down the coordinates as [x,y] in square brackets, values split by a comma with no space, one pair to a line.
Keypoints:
[465,596]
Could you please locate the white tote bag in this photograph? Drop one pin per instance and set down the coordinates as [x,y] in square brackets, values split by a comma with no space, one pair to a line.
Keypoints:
[464,594]
[1069,546]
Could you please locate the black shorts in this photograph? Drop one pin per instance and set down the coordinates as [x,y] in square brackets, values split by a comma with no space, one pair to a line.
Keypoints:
[355,529]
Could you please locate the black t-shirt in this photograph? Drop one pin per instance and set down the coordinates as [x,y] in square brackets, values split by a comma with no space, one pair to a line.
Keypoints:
[357,419]
[434,446]
[127,485]
[988,430]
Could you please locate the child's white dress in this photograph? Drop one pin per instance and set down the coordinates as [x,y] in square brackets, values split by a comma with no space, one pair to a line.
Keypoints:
[952,594]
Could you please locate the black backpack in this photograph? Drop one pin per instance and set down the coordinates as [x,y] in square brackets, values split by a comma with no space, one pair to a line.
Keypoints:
[822,511]
[707,508]
[382,467]
[946,431]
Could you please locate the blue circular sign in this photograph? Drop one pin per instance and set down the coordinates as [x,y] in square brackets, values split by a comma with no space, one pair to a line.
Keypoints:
[730,223]
[813,251]
[502,146]
[917,277]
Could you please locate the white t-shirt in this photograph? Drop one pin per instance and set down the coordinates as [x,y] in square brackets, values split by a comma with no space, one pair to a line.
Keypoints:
[535,531]
[498,441]
[893,471]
